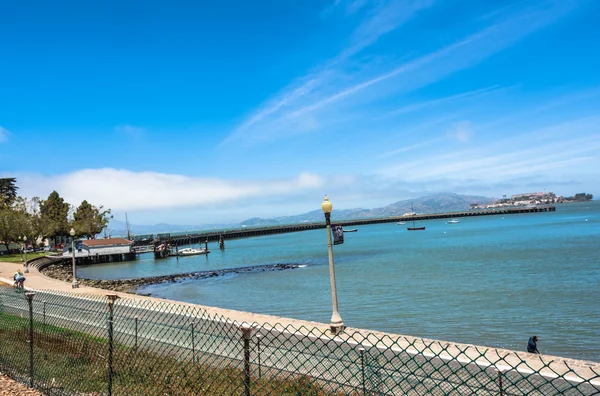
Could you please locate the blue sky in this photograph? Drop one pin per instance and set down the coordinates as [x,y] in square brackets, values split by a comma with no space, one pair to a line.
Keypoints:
[202,112]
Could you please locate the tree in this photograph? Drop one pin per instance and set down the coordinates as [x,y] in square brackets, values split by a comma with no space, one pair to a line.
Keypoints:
[8,190]
[583,197]
[31,208]
[54,212]
[90,220]
[14,224]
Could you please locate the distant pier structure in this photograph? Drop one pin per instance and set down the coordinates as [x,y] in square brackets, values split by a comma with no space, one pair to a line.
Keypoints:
[178,239]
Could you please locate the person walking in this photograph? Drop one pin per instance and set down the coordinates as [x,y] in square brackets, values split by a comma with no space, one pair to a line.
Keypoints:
[532,345]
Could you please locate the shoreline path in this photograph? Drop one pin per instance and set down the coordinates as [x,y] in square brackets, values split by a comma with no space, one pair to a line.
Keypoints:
[518,365]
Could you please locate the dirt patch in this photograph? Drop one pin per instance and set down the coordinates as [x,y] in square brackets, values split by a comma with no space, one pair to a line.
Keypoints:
[8,386]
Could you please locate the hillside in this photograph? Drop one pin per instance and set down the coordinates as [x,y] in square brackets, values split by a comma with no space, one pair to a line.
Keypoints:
[430,204]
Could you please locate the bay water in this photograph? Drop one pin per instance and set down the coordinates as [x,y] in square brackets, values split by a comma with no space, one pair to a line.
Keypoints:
[489,280]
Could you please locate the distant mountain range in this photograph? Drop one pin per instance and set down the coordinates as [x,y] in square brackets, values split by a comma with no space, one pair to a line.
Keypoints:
[431,204]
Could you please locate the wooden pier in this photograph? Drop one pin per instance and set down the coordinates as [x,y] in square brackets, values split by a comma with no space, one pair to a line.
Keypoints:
[203,237]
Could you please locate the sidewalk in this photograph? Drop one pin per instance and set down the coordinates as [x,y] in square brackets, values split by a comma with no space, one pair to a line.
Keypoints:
[37,281]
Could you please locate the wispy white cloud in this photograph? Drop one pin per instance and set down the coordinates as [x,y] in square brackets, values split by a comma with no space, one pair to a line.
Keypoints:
[348,7]
[452,98]
[408,148]
[382,19]
[417,132]
[385,17]
[355,6]
[461,132]
[3,135]
[121,189]
[339,85]
[556,101]
[556,147]
[130,130]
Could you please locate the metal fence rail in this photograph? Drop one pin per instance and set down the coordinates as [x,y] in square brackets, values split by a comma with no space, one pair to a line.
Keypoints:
[67,344]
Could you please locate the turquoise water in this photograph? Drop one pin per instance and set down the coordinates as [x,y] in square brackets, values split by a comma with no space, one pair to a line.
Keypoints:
[490,280]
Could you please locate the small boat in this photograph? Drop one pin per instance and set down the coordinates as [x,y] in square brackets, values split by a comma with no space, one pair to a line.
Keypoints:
[453,221]
[193,252]
[350,230]
[413,228]
[401,222]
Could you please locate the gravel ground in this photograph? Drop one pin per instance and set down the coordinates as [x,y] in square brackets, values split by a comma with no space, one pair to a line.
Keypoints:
[10,387]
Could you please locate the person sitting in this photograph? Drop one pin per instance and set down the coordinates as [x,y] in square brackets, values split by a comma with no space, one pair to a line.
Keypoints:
[532,345]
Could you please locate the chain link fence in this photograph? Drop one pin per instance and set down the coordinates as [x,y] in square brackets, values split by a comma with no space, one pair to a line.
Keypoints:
[69,344]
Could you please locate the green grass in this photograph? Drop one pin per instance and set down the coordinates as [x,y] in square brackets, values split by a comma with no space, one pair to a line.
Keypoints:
[17,258]
[77,362]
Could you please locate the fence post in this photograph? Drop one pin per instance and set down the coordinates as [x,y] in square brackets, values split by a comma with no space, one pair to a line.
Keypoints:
[246,335]
[193,344]
[361,350]
[136,333]
[500,382]
[111,300]
[29,296]
[258,337]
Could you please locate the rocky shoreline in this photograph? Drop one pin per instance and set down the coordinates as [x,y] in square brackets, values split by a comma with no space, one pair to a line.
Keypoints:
[63,272]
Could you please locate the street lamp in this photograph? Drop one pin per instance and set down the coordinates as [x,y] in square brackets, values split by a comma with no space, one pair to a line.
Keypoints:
[75,283]
[336,325]
[26,270]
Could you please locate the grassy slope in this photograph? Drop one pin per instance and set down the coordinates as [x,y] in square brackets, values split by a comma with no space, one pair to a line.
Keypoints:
[77,362]
[17,258]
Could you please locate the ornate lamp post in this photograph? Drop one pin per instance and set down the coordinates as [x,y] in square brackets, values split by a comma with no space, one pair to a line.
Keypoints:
[75,283]
[26,270]
[336,325]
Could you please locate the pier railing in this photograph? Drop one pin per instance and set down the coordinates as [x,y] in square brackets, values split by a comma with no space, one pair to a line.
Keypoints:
[66,344]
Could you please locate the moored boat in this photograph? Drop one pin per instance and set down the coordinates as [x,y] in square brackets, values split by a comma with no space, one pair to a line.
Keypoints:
[350,230]
[414,228]
[453,221]
[193,252]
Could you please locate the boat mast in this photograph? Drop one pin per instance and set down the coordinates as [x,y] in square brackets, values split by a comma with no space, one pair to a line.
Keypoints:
[128,232]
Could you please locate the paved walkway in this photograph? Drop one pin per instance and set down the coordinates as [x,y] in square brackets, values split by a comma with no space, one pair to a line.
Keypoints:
[37,281]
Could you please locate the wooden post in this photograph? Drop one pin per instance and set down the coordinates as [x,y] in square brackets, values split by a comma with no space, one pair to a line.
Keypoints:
[361,350]
[500,382]
[246,334]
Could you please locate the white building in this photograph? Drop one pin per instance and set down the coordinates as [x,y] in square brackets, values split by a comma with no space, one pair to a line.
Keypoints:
[102,250]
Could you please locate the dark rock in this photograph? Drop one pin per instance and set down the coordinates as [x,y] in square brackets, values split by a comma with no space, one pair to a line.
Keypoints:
[63,271]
